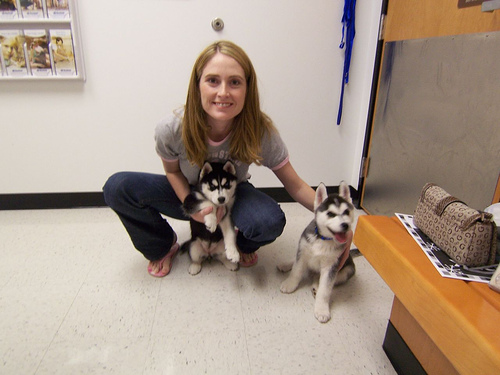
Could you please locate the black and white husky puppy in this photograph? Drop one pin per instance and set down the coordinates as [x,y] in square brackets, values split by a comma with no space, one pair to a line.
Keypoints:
[323,249]
[216,187]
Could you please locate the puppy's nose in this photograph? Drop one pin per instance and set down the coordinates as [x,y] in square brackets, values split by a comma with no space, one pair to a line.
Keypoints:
[345,227]
[221,199]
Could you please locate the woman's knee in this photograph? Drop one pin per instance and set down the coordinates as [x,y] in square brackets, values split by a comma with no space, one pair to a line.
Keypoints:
[276,223]
[273,218]
[265,227]
[115,187]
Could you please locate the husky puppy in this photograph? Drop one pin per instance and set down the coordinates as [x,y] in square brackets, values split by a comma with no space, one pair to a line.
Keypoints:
[216,188]
[322,249]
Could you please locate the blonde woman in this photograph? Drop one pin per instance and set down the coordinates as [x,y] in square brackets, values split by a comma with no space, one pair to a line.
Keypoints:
[221,121]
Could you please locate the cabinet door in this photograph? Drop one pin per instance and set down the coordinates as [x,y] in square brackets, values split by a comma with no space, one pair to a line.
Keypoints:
[435,115]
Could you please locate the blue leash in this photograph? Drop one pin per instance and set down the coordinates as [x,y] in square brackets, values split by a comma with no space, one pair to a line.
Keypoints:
[348,33]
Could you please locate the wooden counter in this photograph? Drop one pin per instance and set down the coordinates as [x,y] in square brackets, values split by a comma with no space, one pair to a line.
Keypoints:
[462,319]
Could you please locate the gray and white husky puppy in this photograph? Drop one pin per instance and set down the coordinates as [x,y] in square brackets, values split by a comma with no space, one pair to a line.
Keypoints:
[323,249]
[216,187]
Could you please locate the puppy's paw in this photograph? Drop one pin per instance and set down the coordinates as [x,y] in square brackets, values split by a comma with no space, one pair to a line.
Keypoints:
[194,268]
[288,286]
[211,227]
[322,315]
[227,263]
[232,254]
[231,266]
[211,222]
[285,267]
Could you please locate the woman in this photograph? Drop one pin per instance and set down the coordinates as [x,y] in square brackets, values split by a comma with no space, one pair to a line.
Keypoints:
[221,121]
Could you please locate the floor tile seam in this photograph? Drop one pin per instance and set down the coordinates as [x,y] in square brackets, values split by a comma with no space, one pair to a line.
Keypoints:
[150,335]
[155,311]
[64,317]
[6,284]
[243,319]
[59,327]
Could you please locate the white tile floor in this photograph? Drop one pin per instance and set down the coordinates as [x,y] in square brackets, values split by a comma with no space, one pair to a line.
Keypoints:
[75,298]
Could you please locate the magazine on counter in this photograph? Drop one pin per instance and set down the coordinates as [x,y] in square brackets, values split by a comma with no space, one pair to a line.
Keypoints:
[38,52]
[62,52]
[13,58]
[446,266]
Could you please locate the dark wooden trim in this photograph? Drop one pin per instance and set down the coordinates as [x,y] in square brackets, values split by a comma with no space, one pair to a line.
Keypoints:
[371,109]
[400,355]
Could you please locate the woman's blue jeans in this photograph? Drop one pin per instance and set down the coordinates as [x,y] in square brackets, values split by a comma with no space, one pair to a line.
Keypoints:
[139,199]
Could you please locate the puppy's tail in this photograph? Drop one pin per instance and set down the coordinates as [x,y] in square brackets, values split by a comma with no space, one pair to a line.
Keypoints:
[186,246]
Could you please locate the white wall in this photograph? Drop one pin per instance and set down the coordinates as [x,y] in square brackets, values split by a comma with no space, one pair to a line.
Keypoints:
[66,136]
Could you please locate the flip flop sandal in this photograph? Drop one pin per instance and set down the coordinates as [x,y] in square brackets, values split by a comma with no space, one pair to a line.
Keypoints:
[170,255]
[250,263]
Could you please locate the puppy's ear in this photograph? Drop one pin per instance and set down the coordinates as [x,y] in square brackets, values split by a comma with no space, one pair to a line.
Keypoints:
[344,191]
[207,168]
[321,195]
[229,168]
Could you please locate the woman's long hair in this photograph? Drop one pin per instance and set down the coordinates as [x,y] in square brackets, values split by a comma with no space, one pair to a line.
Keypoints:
[248,127]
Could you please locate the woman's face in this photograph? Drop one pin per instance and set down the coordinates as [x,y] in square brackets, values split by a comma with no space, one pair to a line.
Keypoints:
[222,89]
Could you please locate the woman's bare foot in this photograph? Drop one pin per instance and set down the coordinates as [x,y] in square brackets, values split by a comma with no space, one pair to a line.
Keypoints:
[162,267]
[248,260]
[157,266]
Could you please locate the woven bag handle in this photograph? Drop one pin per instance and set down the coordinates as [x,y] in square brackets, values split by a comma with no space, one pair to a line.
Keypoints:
[483,217]
[424,189]
[479,216]
[445,202]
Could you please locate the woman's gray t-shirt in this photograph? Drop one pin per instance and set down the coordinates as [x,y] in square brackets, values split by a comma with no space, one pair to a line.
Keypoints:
[170,147]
